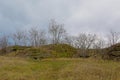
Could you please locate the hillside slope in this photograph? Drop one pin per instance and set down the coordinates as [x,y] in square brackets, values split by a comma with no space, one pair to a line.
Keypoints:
[113,52]
[46,51]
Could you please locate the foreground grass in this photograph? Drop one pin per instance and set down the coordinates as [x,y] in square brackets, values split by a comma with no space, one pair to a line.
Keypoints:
[12,68]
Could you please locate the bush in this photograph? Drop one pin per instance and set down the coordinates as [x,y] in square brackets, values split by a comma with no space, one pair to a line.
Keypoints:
[113,52]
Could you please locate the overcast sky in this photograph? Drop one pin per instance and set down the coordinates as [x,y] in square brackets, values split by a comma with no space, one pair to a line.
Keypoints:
[96,16]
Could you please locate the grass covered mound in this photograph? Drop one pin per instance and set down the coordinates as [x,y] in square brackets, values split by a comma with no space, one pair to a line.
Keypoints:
[61,50]
[46,51]
[113,52]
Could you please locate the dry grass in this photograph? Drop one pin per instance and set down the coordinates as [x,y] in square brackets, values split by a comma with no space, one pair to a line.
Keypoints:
[12,68]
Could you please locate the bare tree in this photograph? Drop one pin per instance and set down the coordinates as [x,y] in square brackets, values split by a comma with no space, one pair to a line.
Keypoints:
[69,40]
[57,32]
[113,37]
[84,42]
[25,38]
[99,43]
[42,38]
[17,37]
[4,43]
[37,37]
[99,46]
[33,35]
[20,38]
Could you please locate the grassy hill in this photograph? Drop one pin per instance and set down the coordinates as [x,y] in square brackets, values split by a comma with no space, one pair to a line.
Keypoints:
[46,51]
[61,51]
[56,62]
[16,68]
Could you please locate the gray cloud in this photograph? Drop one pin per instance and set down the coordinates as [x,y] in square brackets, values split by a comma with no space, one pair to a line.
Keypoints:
[96,16]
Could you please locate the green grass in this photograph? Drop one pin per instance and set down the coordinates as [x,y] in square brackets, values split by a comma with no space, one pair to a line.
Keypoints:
[14,68]
[46,51]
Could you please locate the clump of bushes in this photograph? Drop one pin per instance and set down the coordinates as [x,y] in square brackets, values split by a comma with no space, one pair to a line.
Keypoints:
[113,52]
